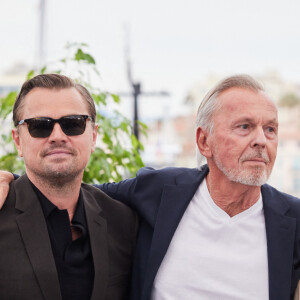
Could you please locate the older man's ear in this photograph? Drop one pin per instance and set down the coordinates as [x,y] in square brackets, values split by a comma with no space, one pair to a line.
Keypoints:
[5,179]
[203,143]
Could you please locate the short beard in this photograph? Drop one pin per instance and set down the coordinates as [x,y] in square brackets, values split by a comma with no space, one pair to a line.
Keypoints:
[57,177]
[257,176]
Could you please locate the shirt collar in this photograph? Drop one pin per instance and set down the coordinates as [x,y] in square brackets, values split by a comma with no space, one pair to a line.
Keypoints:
[48,207]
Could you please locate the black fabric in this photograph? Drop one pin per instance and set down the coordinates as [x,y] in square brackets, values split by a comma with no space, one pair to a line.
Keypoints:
[73,259]
[16,176]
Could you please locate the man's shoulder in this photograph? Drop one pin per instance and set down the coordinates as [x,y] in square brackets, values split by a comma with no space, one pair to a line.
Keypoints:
[122,219]
[169,170]
[17,187]
[106,203]
[169,173]
[274,194]
[20,181]
[294,203]
[273,191]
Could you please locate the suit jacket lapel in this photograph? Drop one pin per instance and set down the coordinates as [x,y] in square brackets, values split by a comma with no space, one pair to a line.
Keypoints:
[280,230]
[174,201]
[34,232]
[99,243]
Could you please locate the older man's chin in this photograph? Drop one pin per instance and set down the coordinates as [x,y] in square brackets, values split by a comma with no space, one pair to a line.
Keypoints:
[253,177]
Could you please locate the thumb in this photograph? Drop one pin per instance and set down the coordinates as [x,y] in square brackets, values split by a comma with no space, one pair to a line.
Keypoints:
[4,188]
[5,179]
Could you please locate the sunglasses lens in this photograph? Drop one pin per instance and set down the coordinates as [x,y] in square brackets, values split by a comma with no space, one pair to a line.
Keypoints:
[70,125]
[73,125]
[40,128]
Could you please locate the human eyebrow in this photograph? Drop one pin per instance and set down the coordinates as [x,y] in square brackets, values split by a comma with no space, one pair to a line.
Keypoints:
[273,122]
[242,121]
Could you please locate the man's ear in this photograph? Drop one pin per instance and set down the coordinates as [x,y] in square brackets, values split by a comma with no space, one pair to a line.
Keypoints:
[94,138]
[16,137]
[202,140]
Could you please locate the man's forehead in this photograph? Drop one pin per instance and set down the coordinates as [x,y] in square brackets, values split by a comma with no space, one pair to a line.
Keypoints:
[49,91]
[243,104]
[43,95]
[239,97]
[46,102]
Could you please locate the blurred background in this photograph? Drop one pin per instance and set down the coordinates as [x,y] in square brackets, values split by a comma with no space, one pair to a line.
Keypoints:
[167,54]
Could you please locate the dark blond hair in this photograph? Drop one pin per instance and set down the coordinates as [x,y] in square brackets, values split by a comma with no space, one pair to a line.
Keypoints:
[51,81]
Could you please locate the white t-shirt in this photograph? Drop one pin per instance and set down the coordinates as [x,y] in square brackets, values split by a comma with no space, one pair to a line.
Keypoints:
[213,256]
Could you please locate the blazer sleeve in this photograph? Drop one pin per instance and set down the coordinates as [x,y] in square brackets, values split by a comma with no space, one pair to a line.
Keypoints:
[121,191]
[16,176]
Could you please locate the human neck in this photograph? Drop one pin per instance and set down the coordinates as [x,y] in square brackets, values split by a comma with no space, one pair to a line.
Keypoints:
[64,195]
[232,197]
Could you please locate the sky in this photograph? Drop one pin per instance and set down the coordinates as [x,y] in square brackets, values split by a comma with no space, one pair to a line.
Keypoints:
[174,44]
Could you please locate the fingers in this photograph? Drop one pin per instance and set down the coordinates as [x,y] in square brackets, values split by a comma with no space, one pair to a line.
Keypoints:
[5,179]
[4,188]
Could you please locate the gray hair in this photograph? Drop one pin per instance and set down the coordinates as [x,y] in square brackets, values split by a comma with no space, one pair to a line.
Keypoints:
[210,104]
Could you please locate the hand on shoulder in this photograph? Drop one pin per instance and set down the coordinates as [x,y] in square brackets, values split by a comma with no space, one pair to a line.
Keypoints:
[5,179]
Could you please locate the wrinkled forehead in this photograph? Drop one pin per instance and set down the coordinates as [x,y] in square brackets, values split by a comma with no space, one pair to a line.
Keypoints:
[246,101]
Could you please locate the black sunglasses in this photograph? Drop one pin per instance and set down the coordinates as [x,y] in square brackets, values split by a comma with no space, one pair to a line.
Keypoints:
[42,127]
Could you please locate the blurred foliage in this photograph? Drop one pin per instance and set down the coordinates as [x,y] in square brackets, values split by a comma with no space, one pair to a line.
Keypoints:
[289,100]
[117,153]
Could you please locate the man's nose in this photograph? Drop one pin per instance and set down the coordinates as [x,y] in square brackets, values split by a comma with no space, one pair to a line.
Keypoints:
[259,138]
[57,134]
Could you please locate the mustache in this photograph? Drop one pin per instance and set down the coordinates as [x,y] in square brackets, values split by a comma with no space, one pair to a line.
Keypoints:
[57,146]
[256,155]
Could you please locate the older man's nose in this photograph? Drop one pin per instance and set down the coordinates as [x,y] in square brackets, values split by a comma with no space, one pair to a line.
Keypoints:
[259,138]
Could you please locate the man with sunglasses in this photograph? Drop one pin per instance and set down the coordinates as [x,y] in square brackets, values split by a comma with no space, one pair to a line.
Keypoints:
[61,239]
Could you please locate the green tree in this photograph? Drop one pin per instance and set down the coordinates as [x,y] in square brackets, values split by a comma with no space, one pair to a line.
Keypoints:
[289,100]
[117,152]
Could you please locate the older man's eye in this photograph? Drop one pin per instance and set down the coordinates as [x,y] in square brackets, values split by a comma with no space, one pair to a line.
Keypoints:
[244,126]
[271,130]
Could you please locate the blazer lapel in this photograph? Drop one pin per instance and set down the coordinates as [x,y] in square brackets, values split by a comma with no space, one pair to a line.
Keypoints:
[280,230]
[174,201]
[34,232]
[99,243]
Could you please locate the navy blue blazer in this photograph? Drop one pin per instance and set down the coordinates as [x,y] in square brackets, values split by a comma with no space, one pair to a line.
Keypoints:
[161,196]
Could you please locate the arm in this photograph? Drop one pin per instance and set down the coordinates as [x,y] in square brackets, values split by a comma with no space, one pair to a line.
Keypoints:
[121,191]
[5,179]
[132,191]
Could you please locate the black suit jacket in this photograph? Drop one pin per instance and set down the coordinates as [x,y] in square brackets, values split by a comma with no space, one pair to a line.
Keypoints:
[27,266]
[161,198]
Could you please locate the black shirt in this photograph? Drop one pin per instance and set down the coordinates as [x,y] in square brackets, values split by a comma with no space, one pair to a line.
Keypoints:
[73,259]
